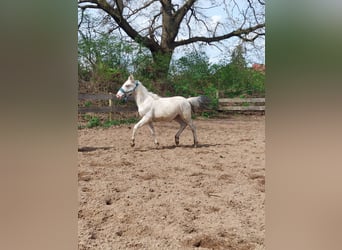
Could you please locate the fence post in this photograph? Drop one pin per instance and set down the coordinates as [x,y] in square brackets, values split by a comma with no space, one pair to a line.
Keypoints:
[110,103]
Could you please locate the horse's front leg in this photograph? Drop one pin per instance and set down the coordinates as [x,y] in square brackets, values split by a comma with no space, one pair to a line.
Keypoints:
[141,123]
[153,133]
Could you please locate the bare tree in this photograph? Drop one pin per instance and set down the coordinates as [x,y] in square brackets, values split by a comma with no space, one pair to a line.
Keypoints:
[163,25]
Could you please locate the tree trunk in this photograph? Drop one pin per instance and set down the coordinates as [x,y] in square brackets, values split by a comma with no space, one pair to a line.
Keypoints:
[161,64]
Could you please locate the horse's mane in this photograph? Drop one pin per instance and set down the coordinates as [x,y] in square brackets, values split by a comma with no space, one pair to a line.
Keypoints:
[153,95]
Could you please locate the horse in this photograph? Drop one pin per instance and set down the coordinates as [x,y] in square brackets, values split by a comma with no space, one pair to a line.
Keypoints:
[153,108]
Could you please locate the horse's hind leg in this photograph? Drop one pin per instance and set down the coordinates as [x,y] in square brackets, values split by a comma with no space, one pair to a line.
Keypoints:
[193,129]
[183,125]
[150,125]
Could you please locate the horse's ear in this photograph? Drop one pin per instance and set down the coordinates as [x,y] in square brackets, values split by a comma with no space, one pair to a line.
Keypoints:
[131,77]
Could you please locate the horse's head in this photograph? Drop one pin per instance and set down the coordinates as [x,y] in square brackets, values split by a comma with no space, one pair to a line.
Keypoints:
[127,88]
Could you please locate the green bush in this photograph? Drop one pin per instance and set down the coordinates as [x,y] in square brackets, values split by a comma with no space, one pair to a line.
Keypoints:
[93,122]
[130,120]
[191,76]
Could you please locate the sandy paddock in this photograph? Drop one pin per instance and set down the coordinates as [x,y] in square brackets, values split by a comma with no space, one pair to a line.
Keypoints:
[210,197]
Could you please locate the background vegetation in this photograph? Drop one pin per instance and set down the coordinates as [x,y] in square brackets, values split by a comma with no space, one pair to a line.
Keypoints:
[105,62]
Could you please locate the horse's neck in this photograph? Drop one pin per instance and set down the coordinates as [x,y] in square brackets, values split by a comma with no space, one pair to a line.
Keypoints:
[141,95]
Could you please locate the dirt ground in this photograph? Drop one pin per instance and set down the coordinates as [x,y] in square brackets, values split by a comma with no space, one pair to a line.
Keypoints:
[210,197]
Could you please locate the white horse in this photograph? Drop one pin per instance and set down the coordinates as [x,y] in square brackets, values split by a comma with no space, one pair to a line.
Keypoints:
[153,108]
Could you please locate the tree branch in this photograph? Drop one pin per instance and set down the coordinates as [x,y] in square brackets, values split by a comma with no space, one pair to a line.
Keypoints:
[183,10]
[83,7]
[152,29]
[117,15]
[80,23]
[245,39]
[261,2]
[237,33]
[145,5]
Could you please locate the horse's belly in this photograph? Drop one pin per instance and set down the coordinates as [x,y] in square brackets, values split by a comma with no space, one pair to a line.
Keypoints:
[164,114]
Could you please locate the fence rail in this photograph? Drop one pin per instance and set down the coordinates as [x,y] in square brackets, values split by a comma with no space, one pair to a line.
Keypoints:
[104,109]
[241,104]
[92,97]
[99,97]
[225,104]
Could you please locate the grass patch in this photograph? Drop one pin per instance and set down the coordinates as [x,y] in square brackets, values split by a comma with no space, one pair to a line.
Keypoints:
[94,121]
[108,123]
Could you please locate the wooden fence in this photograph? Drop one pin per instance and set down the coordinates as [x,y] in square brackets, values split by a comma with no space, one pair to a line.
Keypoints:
[225,104]
[241,104]
[128,107]
[104,109]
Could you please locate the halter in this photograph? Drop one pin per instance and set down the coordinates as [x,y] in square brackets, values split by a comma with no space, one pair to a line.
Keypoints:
[127,93]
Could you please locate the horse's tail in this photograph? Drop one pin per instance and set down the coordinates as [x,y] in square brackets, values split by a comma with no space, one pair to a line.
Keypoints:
[199,102]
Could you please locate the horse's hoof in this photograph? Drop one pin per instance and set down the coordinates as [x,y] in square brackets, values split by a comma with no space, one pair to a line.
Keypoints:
[132,144]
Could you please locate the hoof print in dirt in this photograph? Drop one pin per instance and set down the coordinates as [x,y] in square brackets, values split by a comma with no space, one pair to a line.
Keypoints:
[206,242]
[119,233]
[93,236]
[108,201]
[84,176]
